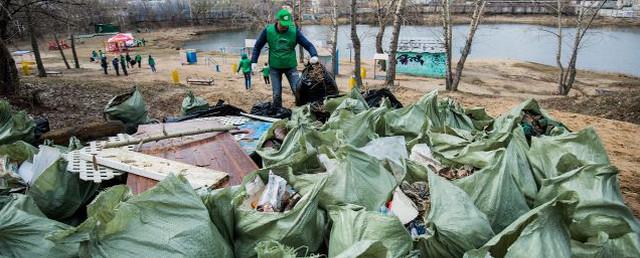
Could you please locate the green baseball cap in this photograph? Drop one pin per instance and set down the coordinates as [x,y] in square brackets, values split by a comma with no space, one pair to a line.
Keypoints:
[284,18]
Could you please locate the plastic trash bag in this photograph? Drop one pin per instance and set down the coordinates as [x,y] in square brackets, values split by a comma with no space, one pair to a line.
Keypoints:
[193,104]
[315,84]
[168,220]
[303,225]
[15,126]
[23,229]
[16,153]
[352,224]
[274,249]
[375,98]
[454,224]
[221,212]
[267,109]
[129,108]
[353,177]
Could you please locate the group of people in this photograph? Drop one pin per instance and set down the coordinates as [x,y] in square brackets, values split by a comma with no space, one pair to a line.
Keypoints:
[122,63]
[282,38]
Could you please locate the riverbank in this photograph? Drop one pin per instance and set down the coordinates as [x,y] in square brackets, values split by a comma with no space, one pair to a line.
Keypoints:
[79,95]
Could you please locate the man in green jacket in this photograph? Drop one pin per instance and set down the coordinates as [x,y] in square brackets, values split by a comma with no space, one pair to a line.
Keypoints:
[283,37]
[123,64]
[152,64]
[245,65]
[265,73]
[138,59]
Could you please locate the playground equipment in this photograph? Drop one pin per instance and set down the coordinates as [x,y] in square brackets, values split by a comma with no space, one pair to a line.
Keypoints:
[54,46]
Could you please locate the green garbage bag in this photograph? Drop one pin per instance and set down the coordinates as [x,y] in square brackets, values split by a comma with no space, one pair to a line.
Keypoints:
[365,248]
[357,129]
[274,249]
[600,207]
[15,153]
[192,104]
[299,148]
[454,224]
[505,188]
[129,108]
[15,126]
[506,122]
[353,102]
[221,212]
[353,177]
[168,220]
[60,194]
[304,225]
[23,229]
[352,224]
[552,156]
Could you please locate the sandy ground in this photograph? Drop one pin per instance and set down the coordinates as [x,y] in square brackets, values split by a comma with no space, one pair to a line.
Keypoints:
[497,85]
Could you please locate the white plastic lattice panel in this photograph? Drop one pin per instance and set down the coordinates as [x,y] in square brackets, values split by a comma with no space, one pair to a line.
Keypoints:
[88,171]
[226,120]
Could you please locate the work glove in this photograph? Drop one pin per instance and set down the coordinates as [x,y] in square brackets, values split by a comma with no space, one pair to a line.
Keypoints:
[254,66]
[314,60]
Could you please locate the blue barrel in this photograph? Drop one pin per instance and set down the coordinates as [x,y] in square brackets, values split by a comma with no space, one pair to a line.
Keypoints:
[192,57]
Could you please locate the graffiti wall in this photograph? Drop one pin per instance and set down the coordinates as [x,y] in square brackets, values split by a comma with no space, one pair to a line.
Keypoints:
[422,64]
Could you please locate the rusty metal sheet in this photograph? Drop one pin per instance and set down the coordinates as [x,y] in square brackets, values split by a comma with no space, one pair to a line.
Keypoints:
[217,151]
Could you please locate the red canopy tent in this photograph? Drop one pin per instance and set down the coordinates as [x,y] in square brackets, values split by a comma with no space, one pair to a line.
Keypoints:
[118,42]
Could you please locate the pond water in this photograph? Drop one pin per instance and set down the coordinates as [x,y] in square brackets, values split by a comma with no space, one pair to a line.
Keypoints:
[604,49]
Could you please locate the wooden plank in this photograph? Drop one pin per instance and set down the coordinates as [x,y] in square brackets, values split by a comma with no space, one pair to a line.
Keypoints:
[156,168]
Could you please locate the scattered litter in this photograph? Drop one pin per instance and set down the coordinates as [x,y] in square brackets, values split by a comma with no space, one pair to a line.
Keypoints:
[276,196]
[456,173]
[534,124]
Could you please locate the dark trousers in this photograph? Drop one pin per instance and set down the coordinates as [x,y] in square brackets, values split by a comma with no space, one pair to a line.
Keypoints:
[266,80]
[247,80]
[139,64]
[153,68]
[115,67]
[124,70]
[105,69]
[276,79]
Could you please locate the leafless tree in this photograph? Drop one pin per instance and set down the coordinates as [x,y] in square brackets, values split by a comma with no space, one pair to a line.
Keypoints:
[478,12]
[383,16]
[34,41]
[334,35]
[452,80]
[200,10]
[586,14]
[356,43]
[64,58]
[393,61]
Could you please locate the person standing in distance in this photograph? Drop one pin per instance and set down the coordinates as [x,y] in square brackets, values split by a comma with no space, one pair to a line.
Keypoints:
[282,38]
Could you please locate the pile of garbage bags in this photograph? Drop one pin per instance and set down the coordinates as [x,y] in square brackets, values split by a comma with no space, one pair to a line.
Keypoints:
[431,179]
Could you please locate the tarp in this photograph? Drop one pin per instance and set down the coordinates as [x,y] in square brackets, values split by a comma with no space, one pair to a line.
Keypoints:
[169,220]
[15,126]
[303,225]
[23,229]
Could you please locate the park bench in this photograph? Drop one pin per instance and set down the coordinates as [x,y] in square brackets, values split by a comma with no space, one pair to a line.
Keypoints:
[56,73]
[200,81]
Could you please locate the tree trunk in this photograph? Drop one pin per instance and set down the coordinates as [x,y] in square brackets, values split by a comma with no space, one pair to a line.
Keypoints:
[299,26]
[64,58]
[559,51]
[34,46]
[356,44]
[473,26]
[73,51]
[446,26]
[393,61]
[334,38]
[9,80]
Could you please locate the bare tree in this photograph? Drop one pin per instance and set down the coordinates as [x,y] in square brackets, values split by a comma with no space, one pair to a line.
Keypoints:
[584,18]
[447,36]
[34,42]
[356,43]
[478,11]
[334,36]
[13,14]
[64,58]
[452,80]
[383,14]
[200,10]
[73,51]
[393,61]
